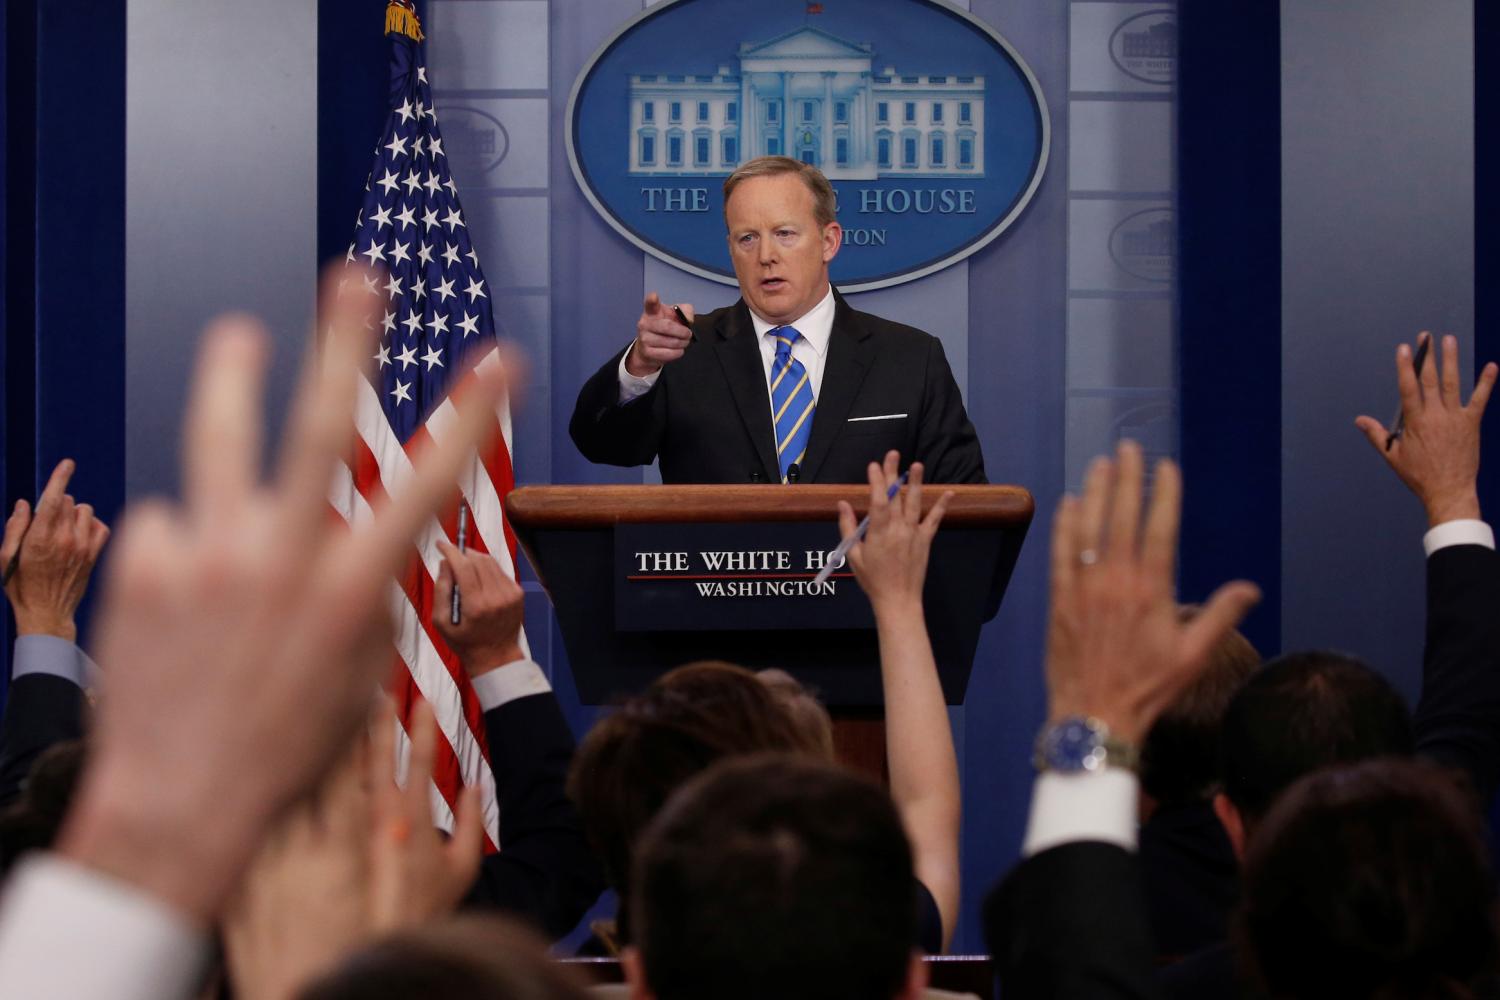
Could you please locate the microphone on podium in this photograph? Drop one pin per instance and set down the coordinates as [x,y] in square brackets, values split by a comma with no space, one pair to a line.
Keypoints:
[793,472]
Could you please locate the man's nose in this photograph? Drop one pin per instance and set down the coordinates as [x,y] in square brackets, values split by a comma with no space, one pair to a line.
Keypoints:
[768,251]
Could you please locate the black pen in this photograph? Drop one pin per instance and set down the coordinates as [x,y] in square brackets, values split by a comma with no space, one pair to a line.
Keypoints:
[463,536]
[682,318]
[1398,423]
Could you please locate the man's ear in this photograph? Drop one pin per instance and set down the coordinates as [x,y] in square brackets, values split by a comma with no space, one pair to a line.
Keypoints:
[1233,823]
[833,238]
[635,974]
[916,978]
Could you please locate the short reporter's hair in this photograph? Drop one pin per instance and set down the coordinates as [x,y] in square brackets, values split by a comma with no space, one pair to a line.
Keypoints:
[1303,712]
[1180,756]
[825,203]
[776,876]
[688,719]
[1371,880]
[458,958]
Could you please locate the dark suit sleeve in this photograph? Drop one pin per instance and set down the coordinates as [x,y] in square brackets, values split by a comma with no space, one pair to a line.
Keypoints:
[611,434]
[1458,717]
[41,711]
[946,442]
[545,871]
[1071,922]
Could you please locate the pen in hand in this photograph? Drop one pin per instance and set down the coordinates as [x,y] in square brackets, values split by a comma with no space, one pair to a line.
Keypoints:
[837,556]
[1398,423]
[463,537]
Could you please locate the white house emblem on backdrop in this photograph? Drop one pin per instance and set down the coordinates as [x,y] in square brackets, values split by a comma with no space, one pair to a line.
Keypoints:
[813,96]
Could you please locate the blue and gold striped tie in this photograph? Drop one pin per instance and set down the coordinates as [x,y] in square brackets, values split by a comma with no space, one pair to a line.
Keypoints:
[791,401]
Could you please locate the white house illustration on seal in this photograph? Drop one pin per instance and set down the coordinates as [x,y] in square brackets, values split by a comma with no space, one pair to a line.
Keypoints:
[810,95]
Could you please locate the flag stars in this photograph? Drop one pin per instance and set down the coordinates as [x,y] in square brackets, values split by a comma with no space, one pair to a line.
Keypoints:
[382,217]
[393,286]
[402,392]
[475,290]
[419,287]
[375,251]
[407,216]
[371,287]
[453,219]
[383,356]
[388,325]
[399,253]
[411,182]
[445,289]
[469,324]
[389,181]
[397,146]
[433,357]
[430,218]
[450,255]
[421,74]
[407,357]
[431,183]
[349,257]
[438,324]
[413,323]
[452,188]
[435,146]
[424,254]
[473,258]
[405,111]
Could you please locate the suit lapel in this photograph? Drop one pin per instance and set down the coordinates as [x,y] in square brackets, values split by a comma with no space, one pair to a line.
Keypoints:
[739,355]
[850,353]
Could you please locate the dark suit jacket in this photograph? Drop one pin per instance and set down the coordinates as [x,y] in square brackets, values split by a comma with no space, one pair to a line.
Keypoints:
[545,871]
[41,711]
[708,417]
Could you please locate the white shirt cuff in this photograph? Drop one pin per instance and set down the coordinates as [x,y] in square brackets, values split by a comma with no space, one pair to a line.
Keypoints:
[1465,531]
[70,933]
[50,654]
[634,386]
[505,684]
[1089,805]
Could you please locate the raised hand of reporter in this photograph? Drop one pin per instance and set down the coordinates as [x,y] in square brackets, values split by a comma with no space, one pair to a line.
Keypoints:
[489,630]
[415,873]
[1116,649]
[891,562]
[53,551]
[245,638]
[659,337]
[1437,452]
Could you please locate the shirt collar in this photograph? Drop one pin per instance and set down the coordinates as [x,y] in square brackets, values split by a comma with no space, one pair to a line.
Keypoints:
[815,325]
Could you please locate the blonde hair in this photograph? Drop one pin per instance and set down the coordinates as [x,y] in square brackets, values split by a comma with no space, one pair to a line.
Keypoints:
[825,204]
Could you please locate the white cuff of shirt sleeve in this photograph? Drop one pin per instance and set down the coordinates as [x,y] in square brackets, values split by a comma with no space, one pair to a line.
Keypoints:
[505,684]
[634,386]
[1089,805]
[1465,531]
[50,654]
[70,933]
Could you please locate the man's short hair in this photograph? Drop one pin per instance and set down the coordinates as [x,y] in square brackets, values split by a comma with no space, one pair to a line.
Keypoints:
[1302,712]
[461,958]
[633,759]
[1180,757]
[1370,881]
[776,876]
[825,204]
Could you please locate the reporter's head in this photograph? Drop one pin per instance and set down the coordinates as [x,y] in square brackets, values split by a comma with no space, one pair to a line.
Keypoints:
[632,761]
[1370,880]
[775,875]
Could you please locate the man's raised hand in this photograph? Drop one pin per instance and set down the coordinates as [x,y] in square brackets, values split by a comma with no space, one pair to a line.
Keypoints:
[659,337]
[489,630]
[891,562]
[53,550]
[1116,650]
[1437,454]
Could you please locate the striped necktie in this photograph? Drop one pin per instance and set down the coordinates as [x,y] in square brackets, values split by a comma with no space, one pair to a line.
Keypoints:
[791,401]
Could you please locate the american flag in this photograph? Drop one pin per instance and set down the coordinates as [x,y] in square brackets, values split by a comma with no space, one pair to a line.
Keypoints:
[436,313]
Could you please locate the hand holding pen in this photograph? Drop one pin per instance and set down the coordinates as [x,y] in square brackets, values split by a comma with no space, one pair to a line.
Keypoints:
[455,608]
[888,549]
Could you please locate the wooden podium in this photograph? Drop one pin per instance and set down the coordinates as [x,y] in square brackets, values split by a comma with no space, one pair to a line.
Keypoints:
[645,578]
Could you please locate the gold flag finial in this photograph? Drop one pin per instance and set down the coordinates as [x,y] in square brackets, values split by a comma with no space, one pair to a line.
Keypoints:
[401,19]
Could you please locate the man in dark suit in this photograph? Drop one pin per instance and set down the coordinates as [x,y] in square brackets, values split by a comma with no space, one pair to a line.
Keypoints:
[787,385]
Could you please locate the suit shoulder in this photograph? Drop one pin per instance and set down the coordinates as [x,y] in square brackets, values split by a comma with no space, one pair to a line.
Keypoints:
[889,331]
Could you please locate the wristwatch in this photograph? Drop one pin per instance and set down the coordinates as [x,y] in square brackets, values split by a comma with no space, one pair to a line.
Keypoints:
[1077,743]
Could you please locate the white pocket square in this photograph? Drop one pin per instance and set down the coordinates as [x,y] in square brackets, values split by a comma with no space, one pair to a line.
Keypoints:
[881,416]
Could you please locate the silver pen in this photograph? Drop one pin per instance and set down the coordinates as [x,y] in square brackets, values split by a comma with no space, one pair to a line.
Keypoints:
[463,537]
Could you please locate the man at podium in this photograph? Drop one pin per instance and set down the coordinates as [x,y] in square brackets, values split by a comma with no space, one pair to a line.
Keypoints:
[787,385]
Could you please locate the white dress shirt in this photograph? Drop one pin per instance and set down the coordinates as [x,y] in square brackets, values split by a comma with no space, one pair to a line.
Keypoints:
[816,327]
[1102,806]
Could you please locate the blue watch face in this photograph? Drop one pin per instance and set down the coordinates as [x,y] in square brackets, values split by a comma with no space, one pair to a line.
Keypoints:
[1071,745]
